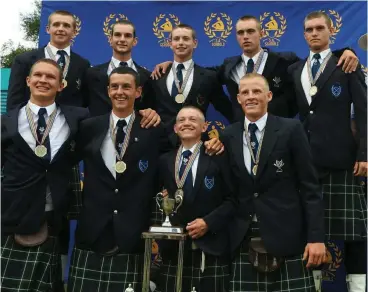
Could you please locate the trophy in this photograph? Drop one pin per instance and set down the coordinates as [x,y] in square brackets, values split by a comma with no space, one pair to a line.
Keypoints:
[129,289]
[166,231]
[167,206]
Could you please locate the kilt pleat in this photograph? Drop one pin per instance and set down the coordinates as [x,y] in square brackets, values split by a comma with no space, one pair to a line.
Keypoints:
[215,277]
[345,206]
[93,272]
[30,268]
[77,196]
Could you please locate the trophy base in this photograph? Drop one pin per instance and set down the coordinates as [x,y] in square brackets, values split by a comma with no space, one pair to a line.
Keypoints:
[166,229]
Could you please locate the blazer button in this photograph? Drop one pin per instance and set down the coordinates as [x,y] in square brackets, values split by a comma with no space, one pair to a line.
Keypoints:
[311,112]
[116,191]
[256,195]
[115,212]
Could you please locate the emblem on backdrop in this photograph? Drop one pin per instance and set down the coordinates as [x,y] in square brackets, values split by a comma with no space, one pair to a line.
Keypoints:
[78,27]
[213,127]
[336,23]
[162,27]
[334,261]
[273,26]
[218,27]
[110,20]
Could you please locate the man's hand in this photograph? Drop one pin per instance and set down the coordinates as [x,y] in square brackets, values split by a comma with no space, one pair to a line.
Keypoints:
[197,228]
[214,146]
[360,168]
[315,253]
[149,118]
[164,193]
[156,74]
[349,61]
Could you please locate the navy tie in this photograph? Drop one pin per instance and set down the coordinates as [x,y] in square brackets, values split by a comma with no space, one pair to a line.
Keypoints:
[61,61]
[41,128]
[179,74]
[316,64]
[120,135]
[252,128]
[188,184]
[250,66]
[123,64]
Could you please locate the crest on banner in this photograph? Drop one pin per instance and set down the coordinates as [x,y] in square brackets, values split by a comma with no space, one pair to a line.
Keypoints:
[334,260]
[273,26]
[110,20]
[218,27]
[163,26]
[213,127]
[78,27]
[336,23]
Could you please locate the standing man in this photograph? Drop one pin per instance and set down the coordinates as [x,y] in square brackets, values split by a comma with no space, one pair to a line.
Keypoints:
[186,83]
[36,155]
[277,233]
[122,40]
[255,59]
[324,94]
[62,28]
[207,208]
[120,159]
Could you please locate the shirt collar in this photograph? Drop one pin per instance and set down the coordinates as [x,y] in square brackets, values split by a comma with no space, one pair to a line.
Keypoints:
[116,118]
[255,57]
[191,149]
[323,55]
[261,123]
[35,108]
[55,49]
[186,64]
[117,62]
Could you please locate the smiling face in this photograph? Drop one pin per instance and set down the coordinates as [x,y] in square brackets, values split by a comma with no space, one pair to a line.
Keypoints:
[44,82]
[61,29]
[122,39]
[190,124]
[317,33]
[254,96]
[182,43]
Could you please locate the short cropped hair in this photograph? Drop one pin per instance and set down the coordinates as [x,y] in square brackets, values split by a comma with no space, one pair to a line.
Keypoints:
[256,75]
[251,17]
[124,22]
[187,26]
[48,61]
[65,13]
[194,108]
[127,70]
[319,14]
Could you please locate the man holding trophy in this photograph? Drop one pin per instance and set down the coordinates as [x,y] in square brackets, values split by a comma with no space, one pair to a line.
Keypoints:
[201,186]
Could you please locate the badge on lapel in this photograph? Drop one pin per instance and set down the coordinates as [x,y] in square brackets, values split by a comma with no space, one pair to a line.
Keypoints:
[209,182]
[143,165]
[276,81]
[79,83]
[200,100]
[279,164]
[336,90]
[72,146]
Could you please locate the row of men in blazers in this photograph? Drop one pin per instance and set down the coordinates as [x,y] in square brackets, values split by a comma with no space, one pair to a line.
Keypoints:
[259,201]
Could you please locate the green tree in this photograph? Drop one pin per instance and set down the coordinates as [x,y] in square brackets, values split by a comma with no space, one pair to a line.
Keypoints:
[30,24]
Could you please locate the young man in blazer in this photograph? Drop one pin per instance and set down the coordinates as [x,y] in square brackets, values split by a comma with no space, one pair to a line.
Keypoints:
[207,207]
[186,83]
[62,28]
[256,59]
[277,233]
[324,94]
[120,159]
[37,144]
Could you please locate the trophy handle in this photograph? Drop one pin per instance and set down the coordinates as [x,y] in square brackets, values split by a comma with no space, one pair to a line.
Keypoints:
[159,198]
[179,201]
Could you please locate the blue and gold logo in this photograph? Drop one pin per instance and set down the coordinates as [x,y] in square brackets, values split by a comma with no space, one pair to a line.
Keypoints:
[213,127]
[163,26]
[218,27]
[78,27]
[334,260]
[273,27]
[109,21]
[336,24]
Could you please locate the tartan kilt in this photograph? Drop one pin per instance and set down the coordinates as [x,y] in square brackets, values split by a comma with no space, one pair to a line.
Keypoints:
[30,268]
[93,272]
[76,189]
[345,206]
[291,276]
[215,277]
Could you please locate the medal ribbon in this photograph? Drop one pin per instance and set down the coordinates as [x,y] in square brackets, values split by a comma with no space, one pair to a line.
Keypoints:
[254,159]
[319,72]
[112,67]
[186,78]
[53,57]
[113,130]
[180,182]
[33,125]
[257,64]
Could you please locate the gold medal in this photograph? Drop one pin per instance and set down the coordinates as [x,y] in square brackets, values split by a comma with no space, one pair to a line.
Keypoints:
[65,83]
[254,170]
[40,151]
[179,192]
[120,166]
[313,90]
[180,98]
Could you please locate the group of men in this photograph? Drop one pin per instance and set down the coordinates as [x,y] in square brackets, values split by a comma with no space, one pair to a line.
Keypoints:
[259,202]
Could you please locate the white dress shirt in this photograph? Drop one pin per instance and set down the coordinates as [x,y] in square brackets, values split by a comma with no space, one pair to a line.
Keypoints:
[195,163]
[108,150]
[170,77]
[58,135]
[116,63]
[54,51]
[305,78]
[239,71]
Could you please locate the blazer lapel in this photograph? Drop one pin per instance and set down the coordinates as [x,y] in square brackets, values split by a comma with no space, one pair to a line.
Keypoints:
[231,65]
[270,64]
[197,80]
[162,82]
[269,140]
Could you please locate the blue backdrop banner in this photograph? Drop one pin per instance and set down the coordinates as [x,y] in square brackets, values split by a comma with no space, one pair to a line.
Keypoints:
[214,23]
